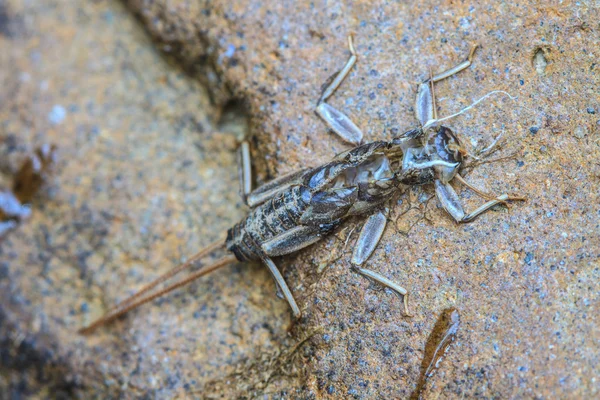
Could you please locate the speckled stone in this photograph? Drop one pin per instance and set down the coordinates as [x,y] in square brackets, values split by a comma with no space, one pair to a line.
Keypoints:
[147,176]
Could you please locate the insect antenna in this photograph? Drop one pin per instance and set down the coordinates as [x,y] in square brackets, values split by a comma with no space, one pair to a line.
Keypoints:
[138,299]
[467,108]
[434,107]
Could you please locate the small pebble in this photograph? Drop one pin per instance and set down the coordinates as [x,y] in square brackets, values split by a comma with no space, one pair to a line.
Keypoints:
[528,258]
[57,115]
[581,132]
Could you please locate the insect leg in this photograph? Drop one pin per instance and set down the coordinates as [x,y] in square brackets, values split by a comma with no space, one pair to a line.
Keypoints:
[335,119]
[387,283]
[252,198]
[282,285]
[425,102]
[245,170]
[291,241]
[456,69]
[451,203]
[274,188]
[479,192]
[368,239]
[486,206]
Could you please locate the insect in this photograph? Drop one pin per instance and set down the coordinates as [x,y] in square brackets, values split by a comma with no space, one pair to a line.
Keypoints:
[294,211]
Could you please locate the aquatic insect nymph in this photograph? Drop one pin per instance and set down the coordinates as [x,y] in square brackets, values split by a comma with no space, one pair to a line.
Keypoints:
[297,210]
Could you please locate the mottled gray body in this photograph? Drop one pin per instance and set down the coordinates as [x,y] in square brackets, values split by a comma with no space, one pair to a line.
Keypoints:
[275,217]
[318,200]
[297,210]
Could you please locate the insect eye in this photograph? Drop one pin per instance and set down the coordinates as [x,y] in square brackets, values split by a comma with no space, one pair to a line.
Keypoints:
[448,146]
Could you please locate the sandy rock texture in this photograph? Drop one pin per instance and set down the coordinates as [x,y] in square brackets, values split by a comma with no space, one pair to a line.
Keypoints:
[146,127]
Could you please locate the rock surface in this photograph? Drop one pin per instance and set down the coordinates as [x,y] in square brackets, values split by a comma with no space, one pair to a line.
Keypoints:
[147,176]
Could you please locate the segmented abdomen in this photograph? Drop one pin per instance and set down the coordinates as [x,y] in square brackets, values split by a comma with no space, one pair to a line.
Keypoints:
[266,221]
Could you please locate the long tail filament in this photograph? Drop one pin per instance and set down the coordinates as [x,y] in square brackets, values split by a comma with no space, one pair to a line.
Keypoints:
[138,299]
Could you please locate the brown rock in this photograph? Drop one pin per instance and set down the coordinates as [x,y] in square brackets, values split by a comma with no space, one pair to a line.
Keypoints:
[146,178]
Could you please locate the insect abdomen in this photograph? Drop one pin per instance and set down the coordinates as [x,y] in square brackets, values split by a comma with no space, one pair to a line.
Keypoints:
[274,217]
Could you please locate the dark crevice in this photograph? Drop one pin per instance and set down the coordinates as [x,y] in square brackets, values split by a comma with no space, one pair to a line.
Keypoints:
[27,358]
[193,52]
[234,118]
